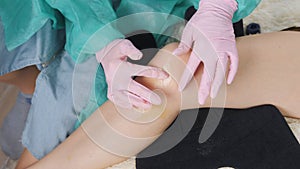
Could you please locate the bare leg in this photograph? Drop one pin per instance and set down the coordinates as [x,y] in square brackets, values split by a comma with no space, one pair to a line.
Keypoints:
[266,76]
[269,73]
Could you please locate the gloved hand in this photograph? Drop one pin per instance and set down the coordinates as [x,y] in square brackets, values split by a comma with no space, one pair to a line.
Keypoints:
[210,29]
[122,89]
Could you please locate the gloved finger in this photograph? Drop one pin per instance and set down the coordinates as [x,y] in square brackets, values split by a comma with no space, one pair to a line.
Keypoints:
[138,102]
[144,93]
[148,71]
[128,49]
[100,55]
[204,87]
[186,42]
[189,71]
[128,100]
[234,64]
[219,76]
[120,99]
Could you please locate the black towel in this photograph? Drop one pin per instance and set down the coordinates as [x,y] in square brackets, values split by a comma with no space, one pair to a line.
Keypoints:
[254,138]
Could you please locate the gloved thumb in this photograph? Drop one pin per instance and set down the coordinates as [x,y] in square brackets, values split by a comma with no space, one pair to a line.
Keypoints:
[128,49]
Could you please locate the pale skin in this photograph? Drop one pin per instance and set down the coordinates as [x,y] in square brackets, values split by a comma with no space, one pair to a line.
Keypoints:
[268,74]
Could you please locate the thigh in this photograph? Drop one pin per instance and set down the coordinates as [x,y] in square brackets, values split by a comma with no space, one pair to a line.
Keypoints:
[268,71]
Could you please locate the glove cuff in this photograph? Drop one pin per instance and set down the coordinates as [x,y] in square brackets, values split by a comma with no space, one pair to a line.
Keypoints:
[223,7]
[232,3]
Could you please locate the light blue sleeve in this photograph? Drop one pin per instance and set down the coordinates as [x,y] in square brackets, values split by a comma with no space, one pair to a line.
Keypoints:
[245,7]
[88,27]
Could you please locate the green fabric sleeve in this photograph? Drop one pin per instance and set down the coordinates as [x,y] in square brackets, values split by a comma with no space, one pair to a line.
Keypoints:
[20,25]
[245,8]
[84,20]
[87,23]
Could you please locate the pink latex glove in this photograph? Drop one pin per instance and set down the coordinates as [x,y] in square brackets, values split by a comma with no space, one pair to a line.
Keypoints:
[122,89]
[210,34]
